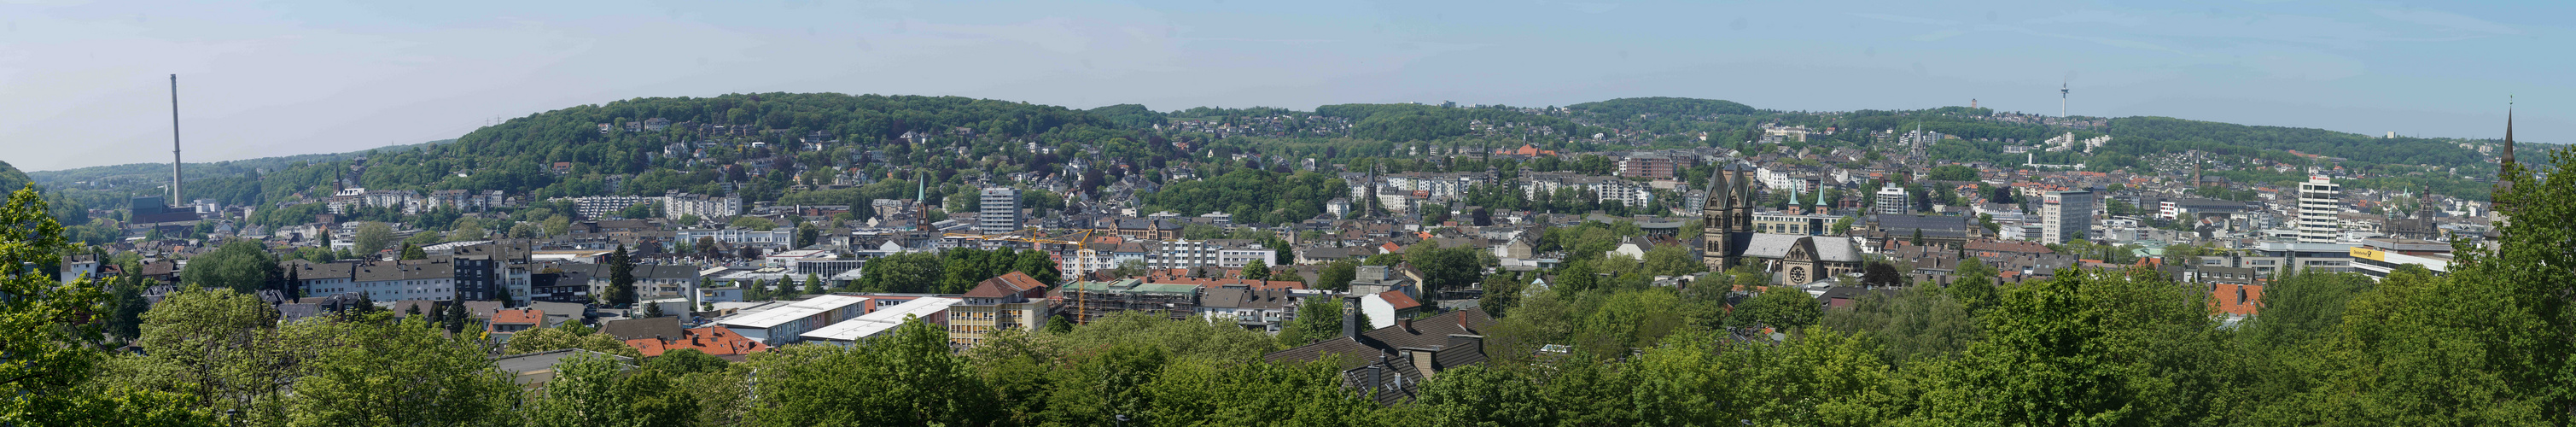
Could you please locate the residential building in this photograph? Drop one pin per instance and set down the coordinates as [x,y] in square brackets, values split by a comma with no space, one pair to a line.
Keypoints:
[676,205]
[604,206]
[1090,301]
[1385,308]
[1647,166]
[716,341]
[1390,364]
[652,281]
[1000,211]
[1893,200]
[513,320]
[1258,309]
[1375,279]
[1009,301]
[1140,228]
[1224,253]
[736,236]
[1603,189]
[1785,223]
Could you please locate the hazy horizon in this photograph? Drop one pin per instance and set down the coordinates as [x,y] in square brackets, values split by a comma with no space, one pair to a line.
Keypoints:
[87,84]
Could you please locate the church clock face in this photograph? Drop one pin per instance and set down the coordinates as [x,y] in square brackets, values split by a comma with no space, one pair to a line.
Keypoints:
[1797,275]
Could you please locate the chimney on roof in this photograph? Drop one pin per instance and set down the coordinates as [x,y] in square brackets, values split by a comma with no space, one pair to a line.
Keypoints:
[1407,324]
[1377,379]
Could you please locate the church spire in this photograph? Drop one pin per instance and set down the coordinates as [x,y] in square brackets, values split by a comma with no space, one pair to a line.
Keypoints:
[2505,167]
[2508,131]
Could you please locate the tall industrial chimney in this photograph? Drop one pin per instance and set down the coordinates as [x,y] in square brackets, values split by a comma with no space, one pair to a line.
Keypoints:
[175,177]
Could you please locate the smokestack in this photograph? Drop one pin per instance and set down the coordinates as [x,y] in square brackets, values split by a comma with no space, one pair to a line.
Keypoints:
[175,177]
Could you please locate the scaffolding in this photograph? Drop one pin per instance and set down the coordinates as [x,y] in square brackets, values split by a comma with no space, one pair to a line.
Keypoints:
[1094,300]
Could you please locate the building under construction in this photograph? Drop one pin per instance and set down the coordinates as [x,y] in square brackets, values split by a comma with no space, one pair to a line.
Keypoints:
[1083,302]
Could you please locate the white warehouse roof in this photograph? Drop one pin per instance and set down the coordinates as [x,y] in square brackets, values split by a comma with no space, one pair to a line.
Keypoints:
[801,309]
[885,318]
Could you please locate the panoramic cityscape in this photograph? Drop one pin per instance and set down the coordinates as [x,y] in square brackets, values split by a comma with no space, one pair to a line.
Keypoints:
[2054,235]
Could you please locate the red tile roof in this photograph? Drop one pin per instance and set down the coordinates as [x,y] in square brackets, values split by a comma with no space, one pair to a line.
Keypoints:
[1399,300]
[713,340]
[519,315]
[1005,285]
[2224,298]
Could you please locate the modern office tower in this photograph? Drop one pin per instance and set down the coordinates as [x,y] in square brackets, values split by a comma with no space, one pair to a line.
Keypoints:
[2319,211]
[2066,216]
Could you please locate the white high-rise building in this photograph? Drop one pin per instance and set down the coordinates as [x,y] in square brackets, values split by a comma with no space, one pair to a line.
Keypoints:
[1892,200]
[2066,216]
[2320,213]
[1000,211]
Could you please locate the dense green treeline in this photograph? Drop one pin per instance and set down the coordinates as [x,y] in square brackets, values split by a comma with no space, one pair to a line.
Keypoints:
[11,178]
[1253,196]
[1128,116]
[149,173]
[1668,115]
[2417,151]
[1668,106]
[1417,122]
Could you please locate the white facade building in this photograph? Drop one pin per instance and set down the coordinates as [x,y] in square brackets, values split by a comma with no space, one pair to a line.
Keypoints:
[676,205]
[2319,211]
[1893,200]
[1000,211]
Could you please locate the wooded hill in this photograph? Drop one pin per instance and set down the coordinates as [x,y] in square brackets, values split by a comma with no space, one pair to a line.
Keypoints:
[743,137]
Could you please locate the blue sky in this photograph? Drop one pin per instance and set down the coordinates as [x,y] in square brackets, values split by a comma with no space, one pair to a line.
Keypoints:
[84,84]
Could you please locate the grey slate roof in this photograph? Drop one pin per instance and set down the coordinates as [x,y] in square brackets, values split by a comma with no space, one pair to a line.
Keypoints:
[650,327]
[1766,245]
[1455,338]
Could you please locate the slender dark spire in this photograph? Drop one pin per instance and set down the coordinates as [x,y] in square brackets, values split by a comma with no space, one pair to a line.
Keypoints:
[2508,131]
[2504,165]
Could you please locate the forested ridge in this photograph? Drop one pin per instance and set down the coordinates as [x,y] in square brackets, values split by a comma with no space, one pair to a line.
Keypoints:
[757,146]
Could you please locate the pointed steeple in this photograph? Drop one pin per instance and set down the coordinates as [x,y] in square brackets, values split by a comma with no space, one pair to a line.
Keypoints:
[2504,165]
[1820,198]
[2508,131]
